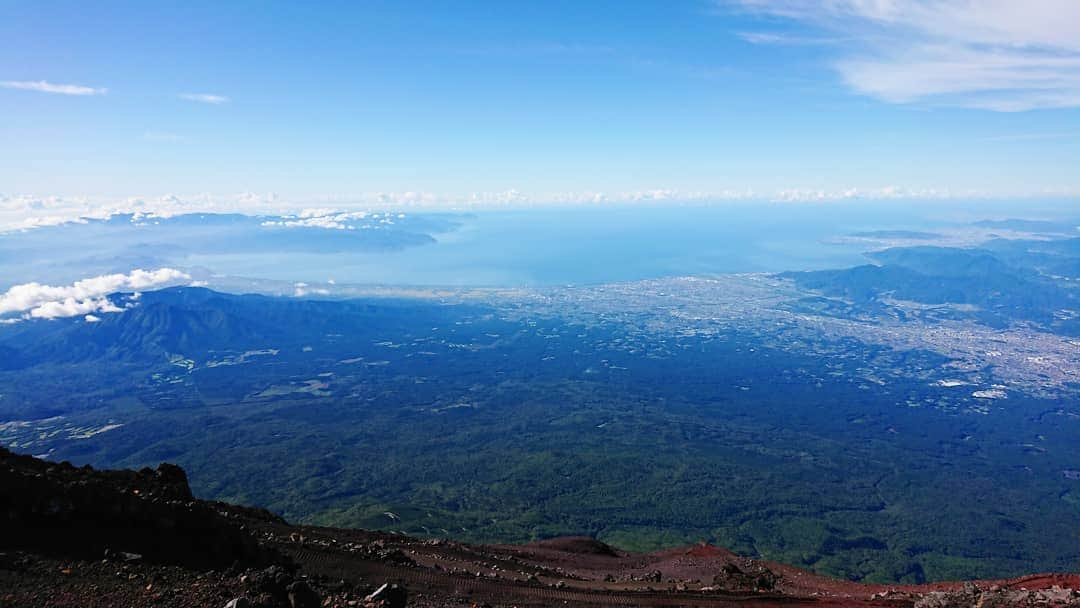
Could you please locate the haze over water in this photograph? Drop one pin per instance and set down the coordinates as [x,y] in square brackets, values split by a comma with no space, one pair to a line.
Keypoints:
[577,246]
[491,248]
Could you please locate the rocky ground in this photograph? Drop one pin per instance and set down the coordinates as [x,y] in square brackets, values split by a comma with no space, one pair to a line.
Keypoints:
[80,537]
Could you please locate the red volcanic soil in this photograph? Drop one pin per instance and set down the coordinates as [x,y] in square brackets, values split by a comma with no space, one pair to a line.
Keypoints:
[79,537]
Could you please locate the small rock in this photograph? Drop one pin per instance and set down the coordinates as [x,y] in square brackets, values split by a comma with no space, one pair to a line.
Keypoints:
[176,479]
[7,561]
[390,596]
[302,596]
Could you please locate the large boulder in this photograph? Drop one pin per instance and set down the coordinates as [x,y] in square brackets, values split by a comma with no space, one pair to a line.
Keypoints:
[56,508]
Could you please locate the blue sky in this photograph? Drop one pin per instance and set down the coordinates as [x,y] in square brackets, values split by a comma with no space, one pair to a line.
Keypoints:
[539,100]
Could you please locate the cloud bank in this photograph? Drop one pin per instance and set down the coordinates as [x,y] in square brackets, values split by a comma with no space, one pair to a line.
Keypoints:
[332,219]
[28,212]
[87,297]
[43,86]
[1002,55]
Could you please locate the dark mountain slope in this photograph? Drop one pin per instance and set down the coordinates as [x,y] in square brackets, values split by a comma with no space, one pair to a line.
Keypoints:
[191,321]
[1000,287]
[81,537]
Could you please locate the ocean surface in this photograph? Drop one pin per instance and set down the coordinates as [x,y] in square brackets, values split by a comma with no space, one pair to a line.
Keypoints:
[525,247]
[573,246]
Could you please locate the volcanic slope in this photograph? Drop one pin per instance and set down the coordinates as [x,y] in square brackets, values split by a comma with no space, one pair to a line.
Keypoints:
[82,537]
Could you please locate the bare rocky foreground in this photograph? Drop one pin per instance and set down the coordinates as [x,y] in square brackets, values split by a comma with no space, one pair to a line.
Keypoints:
[81,537]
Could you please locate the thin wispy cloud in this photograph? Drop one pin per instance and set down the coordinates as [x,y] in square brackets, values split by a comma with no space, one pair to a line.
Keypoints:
[43,86]
[205,98]
[998,55]
[783,39]
[536,49]
[1035,136]
[161,137]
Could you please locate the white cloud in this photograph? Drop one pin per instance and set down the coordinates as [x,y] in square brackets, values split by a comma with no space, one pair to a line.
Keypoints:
[85,297]
[330,219]
[812,195]
[1002,55]
[303,289]
[72,307]
[43,86]
[205,98]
